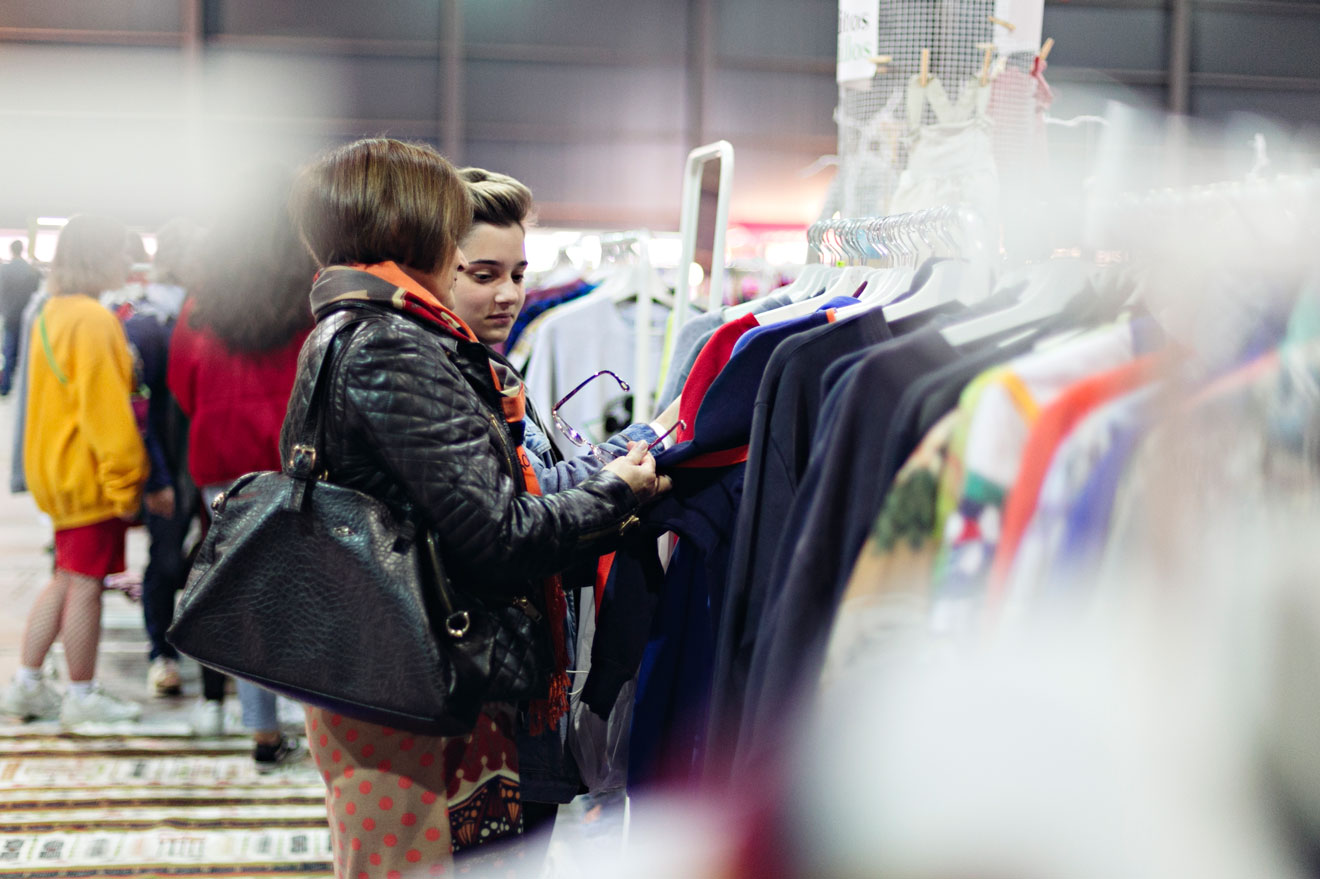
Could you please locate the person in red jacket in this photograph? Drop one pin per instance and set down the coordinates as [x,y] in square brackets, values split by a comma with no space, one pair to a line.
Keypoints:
[232,364]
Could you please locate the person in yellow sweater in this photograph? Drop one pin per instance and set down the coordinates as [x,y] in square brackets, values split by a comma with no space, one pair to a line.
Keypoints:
[85,464]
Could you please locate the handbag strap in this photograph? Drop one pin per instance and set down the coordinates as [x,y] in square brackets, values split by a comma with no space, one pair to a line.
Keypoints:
[305,461]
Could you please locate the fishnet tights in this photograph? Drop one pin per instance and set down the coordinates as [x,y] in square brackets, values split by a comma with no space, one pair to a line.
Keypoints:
[70,607]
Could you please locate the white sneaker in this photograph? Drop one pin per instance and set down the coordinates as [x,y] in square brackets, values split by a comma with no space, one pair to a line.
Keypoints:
[97,706]
[31,701]
[163,677]
[207,719]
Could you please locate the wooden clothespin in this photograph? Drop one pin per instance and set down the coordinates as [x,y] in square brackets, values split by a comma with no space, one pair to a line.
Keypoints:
[1044,52]
[989,50]
[1006,25]
[925,67]
[881,62]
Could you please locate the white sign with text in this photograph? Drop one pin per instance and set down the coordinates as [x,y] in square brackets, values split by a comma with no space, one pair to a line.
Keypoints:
[859,39]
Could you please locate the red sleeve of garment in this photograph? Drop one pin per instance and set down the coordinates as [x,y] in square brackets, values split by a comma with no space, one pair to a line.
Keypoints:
[1055,422]
[707,366]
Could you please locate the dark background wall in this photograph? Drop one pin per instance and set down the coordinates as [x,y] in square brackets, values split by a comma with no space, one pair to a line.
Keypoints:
[148,108]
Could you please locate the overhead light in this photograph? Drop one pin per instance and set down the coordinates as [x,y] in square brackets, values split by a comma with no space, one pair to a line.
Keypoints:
[52,221]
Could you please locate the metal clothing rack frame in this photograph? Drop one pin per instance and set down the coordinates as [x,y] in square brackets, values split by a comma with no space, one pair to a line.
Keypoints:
[687,225]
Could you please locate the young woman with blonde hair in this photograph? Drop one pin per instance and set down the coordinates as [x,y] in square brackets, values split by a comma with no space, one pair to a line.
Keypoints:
[84,462]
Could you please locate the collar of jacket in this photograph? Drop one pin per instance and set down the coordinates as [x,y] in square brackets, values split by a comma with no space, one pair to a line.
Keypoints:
[387,284]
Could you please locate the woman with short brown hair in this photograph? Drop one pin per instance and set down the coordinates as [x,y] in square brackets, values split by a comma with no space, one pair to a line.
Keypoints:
[418,415]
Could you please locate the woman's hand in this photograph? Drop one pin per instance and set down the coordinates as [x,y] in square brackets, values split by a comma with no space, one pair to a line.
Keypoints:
[637,468]
[161,503]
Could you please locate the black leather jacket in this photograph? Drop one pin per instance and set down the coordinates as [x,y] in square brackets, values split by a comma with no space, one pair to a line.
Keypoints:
[414,418]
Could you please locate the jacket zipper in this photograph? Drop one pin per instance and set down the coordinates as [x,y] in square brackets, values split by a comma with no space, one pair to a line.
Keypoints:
[514,469]
[620,529]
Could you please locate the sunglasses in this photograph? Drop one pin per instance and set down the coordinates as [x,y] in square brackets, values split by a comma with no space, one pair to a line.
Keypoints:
[576,437]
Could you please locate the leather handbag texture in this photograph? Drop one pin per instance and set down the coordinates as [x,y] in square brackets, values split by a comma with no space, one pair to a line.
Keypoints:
[327,595]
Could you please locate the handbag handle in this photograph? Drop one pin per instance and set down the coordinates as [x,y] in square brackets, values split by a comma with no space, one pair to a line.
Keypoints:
[303,459]
[302,467]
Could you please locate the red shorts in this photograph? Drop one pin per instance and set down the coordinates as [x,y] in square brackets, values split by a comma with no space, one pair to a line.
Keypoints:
[94,550]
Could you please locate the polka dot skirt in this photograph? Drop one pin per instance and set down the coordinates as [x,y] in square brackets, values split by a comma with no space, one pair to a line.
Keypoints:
[400,805]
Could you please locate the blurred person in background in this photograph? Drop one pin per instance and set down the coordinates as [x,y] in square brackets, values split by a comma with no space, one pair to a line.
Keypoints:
[84,463]
[488,296]
[148,312]
[18,281]
[232,363]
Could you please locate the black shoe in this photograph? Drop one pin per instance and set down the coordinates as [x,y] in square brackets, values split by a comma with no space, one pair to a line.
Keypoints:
[269,757]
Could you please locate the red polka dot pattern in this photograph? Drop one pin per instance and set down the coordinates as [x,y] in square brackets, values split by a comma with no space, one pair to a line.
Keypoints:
[392,815]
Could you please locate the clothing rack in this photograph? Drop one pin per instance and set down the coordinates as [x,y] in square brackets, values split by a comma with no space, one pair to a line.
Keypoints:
[689,215]
[902,239]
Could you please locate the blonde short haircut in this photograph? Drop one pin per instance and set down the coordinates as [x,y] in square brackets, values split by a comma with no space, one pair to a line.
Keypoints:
[497,199]
[90,257]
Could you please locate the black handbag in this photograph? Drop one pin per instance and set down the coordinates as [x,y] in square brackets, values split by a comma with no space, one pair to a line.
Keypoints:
[328,596]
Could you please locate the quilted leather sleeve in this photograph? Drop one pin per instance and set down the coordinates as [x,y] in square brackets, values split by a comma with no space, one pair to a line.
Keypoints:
[404,424]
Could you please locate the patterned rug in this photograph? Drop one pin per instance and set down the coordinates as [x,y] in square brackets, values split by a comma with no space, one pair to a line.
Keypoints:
[153,803]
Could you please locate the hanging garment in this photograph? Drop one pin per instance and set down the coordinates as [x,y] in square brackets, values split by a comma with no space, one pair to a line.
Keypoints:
[886,596]
[781,426]
[834,501]
[691,342]
[683,353]
[712,358]
[1111,425]
[720,420]
[951,161]
[670,716]
[1054,424]
[1221,496]
[997,431]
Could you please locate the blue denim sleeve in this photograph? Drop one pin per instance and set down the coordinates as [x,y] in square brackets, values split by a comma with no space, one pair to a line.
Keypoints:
[566,474]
